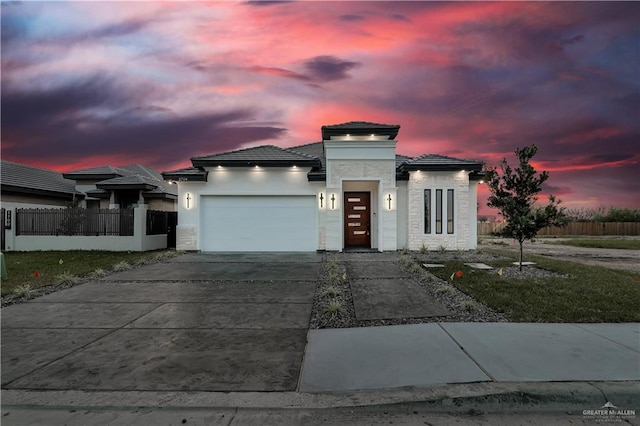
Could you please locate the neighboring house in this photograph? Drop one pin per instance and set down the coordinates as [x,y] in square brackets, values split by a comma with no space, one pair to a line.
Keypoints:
[115,189]
[350,190]
[26,186]
[126,186]
[23,186]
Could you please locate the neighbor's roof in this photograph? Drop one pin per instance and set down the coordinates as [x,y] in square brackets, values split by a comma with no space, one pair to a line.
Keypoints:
[26,179]
[133,176]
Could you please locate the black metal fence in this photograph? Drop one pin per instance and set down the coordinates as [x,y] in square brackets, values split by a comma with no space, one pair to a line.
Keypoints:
[92,222]
[157,222]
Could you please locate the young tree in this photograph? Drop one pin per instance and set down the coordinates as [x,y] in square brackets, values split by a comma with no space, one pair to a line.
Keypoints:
[514,194]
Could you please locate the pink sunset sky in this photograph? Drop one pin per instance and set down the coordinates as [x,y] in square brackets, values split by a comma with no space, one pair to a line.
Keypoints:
[95,83]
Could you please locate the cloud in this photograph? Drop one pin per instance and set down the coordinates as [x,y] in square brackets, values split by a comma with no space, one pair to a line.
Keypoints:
[261,3]
[329,68]
[98,117]
[351,18]
[280,72]
[399,17]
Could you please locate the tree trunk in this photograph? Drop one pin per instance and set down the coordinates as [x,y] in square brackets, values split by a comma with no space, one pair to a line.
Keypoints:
[521,242]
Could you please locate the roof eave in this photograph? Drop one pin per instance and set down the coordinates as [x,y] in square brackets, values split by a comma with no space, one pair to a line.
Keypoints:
[157,195]
[185,177]
[42,192]
[115,186]
[252,163]
[439,167]
[90,176]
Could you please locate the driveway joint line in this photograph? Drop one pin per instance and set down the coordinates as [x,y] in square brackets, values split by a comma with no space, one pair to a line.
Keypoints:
[484,370]
[605,337]
[79,348]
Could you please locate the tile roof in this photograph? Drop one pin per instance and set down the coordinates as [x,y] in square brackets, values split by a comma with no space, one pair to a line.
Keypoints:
[360,128]
[440,162]
[128,181]
[265,155]
[92,173]
[24,178]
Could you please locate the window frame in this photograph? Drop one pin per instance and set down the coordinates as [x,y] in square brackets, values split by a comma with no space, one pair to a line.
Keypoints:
[450,211]
[438,221]
[428,211]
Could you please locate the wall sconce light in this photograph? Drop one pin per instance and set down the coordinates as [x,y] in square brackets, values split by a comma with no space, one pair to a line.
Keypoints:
[321,201]
[188,199]
[333,201]
[389,201]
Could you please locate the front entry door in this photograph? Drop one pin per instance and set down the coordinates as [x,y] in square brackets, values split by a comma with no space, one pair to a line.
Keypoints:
[357,219]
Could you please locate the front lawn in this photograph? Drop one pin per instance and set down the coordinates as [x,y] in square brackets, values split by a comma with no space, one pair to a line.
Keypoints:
[599,243]
[590,294]
[40,268]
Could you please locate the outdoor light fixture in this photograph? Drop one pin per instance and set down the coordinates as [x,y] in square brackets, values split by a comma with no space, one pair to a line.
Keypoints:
[189,198]
[321,200]
[389,200]
[333,201]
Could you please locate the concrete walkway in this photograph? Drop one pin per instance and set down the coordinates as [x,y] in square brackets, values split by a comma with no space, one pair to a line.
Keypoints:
[429,354]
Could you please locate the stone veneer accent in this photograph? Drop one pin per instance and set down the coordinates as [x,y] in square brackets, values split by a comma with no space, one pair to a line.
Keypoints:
[418,182]
[186,237]
[339,170]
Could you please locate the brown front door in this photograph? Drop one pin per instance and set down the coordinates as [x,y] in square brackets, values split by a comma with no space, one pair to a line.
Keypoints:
[357,219]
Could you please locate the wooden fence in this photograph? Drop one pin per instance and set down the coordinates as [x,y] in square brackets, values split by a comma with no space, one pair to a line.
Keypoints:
[74,222]
[574,228]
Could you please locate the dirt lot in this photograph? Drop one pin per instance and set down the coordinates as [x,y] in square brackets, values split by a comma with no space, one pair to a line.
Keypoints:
[628,260]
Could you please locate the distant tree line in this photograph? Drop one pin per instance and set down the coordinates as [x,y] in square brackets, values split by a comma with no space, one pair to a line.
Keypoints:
[600,214]
[603,214]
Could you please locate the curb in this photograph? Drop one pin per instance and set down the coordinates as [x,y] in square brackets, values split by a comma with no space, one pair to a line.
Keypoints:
[486,397]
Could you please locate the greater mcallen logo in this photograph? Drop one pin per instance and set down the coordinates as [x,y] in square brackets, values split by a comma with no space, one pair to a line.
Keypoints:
[609,412]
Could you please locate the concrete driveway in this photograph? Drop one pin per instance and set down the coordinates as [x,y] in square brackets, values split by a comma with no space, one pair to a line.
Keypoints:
[199,322]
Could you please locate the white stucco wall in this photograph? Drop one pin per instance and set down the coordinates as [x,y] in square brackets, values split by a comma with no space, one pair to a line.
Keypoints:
[459,182]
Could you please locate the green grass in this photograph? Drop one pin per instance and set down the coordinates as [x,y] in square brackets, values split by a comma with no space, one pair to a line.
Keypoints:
[21,266]
[591,294]
[596,243]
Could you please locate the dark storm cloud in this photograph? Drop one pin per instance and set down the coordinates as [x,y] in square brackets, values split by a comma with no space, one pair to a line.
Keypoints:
[61,125]
[329,68]
[24,108]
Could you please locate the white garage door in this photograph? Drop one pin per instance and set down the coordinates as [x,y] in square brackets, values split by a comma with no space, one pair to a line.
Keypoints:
[258,223]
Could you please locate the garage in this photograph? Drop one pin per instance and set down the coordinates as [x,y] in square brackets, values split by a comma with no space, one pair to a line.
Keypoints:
[258,223]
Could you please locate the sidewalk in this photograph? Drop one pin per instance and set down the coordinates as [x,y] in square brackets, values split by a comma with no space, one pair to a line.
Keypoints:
[438,353]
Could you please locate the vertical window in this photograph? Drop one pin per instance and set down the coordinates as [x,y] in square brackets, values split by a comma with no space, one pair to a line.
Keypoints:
[438,211]
[449,211]
[427,211]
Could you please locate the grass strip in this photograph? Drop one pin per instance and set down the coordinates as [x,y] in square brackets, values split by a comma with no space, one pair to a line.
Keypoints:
[591,294]
[40,268]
